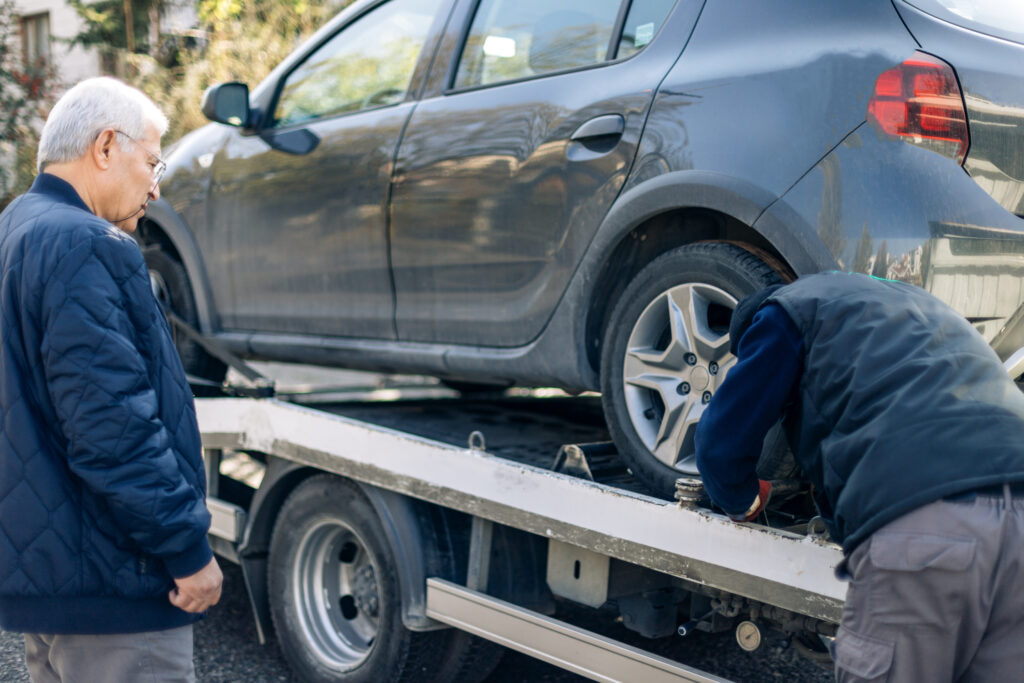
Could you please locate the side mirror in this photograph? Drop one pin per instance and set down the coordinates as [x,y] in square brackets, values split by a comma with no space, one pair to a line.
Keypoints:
[227,103]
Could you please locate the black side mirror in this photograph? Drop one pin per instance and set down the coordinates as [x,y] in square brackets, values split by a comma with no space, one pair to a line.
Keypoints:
[227,103]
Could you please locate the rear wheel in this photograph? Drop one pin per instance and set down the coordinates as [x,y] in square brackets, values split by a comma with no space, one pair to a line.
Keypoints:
[334,592]
[171,288]
[666,352]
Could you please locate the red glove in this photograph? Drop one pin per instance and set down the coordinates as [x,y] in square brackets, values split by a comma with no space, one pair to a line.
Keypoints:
[764,492]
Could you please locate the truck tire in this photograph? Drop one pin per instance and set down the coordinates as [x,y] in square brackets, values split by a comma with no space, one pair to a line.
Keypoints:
[469,659]
[171,288]
[665,350]
[334,592]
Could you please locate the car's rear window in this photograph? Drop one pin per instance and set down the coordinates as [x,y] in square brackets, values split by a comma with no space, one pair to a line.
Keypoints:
[515,39]
[999,18]
[644,19]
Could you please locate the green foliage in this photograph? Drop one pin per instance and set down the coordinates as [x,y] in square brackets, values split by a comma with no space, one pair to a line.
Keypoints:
[243,42]
[105,25]
[26,94]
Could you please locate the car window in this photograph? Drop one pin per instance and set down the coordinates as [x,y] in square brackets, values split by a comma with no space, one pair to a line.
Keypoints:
[1000,18]
[367,64]
[512,39]
[643,20]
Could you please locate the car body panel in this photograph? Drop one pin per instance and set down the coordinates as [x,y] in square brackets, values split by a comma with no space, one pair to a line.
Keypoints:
[756,73]
[907,240]
[307,233]
[181,213]
[991,75]
[493,204]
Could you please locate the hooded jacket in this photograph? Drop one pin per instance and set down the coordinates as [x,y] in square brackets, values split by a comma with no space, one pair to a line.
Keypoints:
[102,488]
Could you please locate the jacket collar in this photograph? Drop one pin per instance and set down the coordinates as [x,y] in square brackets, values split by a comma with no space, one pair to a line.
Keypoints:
[57,189]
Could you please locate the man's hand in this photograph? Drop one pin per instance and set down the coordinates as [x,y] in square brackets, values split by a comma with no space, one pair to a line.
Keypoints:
[764,492]
[200,591]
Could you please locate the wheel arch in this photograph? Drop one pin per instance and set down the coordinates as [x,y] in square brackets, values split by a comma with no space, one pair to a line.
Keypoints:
[404,522]
[163,226]
[685,207]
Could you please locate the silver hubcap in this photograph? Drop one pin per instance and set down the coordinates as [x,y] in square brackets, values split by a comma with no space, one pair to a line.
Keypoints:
[335,594]
[676,357]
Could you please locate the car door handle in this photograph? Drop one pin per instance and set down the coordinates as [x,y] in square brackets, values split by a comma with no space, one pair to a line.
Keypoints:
[602,126]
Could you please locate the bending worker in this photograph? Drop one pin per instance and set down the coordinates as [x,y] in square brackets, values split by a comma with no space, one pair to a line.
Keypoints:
[903,419]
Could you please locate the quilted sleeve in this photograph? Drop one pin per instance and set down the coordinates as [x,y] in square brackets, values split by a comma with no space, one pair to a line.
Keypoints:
[107,407]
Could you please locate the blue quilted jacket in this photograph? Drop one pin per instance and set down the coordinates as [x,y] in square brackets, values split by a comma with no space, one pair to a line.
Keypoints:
[102,490]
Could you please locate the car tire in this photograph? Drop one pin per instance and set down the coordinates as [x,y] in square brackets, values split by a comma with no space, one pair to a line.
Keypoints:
[335,595]
[171,288]
[665,350]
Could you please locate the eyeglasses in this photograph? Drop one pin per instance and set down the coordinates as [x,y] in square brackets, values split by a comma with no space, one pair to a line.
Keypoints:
[159,165]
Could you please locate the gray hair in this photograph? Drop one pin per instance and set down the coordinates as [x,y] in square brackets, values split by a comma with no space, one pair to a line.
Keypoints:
[89,108]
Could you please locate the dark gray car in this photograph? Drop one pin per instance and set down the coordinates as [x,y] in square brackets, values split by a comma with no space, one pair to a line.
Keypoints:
[575,193]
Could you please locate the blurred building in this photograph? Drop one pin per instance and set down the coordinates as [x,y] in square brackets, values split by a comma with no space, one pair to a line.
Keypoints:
[46,29]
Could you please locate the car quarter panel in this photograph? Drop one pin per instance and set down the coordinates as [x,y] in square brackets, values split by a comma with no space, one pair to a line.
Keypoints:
[924,221]
[765,89]
[991,75]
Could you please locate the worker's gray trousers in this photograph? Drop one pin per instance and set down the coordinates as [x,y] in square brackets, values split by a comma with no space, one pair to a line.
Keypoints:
[150,657]
[938,595]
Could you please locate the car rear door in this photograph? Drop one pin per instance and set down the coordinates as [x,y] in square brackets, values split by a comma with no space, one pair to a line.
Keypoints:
[303,203]
[523,139]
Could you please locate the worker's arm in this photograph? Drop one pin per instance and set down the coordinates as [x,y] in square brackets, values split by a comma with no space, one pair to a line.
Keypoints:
[750,401]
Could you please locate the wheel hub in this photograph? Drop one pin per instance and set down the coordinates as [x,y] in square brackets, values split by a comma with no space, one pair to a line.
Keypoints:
[364,590]
[677,355]
[336,595]
[700,378]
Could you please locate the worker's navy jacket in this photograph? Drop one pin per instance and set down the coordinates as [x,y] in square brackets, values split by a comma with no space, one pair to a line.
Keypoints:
[891,400]
[102,490]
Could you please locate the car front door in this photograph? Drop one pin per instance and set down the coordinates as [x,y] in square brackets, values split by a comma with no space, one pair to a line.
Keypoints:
[504,174]
[303,204]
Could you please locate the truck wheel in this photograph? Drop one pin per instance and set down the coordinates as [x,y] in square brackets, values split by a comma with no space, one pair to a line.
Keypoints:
[171,288]
[665,351]
[334,592]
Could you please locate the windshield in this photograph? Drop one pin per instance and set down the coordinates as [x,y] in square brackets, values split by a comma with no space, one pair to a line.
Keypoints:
[999,18]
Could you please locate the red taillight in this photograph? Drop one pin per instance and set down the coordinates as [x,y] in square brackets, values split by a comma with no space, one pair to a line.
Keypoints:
[919,101]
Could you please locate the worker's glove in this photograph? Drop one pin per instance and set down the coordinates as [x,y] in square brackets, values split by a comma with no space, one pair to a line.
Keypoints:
[764,492]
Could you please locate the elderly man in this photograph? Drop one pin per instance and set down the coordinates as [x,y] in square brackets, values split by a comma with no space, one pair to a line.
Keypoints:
[902,417]
[104,562]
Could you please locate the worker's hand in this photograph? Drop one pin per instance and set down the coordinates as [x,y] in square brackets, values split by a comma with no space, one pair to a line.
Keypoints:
[200,591]
[764,492]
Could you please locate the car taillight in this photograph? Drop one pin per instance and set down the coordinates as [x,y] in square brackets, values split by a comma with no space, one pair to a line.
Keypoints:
[919,101]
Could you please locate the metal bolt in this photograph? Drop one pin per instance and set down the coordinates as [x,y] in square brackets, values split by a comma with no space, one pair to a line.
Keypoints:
[691,359]
[713,368]
[706,398]
[649,413]
[683,389]
[689,491]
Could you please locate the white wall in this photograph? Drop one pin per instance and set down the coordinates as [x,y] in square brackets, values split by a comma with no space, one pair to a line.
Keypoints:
[73,64]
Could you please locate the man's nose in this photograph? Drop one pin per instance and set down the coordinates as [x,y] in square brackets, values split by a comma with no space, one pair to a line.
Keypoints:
[154,192]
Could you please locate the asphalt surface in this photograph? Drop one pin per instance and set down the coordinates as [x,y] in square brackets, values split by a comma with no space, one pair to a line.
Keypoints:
[227,651]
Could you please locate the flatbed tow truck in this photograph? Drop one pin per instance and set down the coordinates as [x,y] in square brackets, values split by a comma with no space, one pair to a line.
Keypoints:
[490,509]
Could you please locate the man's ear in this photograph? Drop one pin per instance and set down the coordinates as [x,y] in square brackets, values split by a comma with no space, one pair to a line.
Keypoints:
[102,149]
